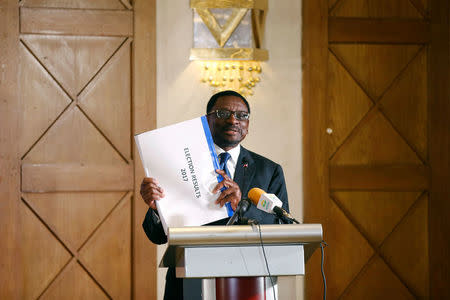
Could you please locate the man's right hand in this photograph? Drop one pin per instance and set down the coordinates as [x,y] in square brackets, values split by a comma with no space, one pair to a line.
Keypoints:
[151,191]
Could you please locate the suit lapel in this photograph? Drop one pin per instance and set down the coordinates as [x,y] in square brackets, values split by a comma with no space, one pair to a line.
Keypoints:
[244,174]
[245,170]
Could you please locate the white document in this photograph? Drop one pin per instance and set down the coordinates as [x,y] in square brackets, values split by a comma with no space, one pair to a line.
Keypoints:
[183,160]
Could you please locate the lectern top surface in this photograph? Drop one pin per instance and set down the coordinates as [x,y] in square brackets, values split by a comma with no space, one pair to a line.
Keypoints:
[245,235]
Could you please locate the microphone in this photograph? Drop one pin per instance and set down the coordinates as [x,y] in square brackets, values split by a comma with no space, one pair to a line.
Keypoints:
[241,208]
[284,215]
[270,204]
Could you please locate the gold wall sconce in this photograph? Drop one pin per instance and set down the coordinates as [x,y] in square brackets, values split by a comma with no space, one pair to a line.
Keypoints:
[228,37]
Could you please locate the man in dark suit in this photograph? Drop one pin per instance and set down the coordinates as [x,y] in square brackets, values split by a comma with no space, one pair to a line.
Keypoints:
[228,118]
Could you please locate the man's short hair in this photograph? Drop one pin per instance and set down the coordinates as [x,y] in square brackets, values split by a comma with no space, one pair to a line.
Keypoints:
[216,96]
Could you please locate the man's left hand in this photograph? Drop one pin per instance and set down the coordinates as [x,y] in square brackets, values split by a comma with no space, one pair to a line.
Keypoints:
[232,193]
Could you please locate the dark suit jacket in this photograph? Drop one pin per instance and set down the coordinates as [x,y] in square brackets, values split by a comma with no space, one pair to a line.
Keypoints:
[252,170]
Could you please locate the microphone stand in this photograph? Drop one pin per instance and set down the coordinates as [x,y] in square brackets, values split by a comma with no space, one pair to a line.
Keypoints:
[242,207]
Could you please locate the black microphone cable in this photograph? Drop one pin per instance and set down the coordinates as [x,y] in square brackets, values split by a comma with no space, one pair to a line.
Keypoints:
[323,244]
[265,259]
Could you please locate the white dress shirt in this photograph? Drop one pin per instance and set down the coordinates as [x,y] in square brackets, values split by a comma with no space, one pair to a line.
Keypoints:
[231,163]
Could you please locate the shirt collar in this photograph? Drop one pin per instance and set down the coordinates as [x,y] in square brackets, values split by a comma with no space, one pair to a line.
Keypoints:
[233,152]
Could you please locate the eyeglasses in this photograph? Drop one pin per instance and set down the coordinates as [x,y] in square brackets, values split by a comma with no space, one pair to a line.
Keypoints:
[225,114]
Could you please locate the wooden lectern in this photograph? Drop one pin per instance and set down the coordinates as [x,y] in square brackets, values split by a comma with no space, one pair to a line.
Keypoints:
[230,259]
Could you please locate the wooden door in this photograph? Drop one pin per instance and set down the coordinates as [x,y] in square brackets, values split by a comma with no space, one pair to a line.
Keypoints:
[79,233]
[369,111]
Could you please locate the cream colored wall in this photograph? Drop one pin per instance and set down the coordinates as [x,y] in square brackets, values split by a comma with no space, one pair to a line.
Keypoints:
[275,126]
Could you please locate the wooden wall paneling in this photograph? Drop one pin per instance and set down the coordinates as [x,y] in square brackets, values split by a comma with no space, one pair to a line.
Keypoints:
[102,97]
[387,178]
[112,240]
[55,218]
[83,286]
[144,118]
[375,151]
[10,265]
[40,177]
[127,4]
[74,139]
[439,152]
[63,210]
[363,62]
[60,56]
[41,103]
[395,225]
[375,111]
[343,30]
[363,146]
[421,6]
[315,61]
[407,100]
[87,4]
[376,9]
[406,249]
[332,4]
[79,155]
[343,262]
[43,255]
[347,98]
[377,274]
[76,22]
[386,209]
